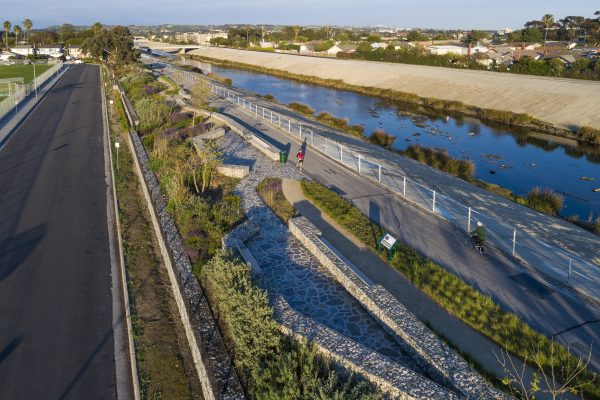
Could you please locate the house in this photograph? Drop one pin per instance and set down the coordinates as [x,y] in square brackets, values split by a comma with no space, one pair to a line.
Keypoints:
[447,49]
[334,50]
[23,50]
[53,51]
[378,45]
[348,48]
[403,45]
[536,55]
[265,44]
[76,52]
[525,46]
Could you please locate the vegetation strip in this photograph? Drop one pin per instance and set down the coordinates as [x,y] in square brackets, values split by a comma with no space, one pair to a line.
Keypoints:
[461,300]
[508,118]
[163,369]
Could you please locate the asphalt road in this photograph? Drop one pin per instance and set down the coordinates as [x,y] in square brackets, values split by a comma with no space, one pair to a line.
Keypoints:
[56,337]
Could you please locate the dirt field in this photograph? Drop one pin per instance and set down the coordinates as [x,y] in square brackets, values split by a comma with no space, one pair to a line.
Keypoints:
[563,102]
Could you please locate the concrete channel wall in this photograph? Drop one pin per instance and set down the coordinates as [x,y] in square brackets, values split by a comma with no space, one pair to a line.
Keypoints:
[214,367]
[431,353]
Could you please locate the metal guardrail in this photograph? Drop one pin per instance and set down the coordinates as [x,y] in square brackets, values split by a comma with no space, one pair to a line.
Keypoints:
[547,259]
[14,101]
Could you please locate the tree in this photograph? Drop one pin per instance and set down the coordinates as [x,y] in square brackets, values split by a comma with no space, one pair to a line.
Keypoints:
[27,24]
[114,46]
[210,155]
[66,31]
[551,377]
[201,95]
[547,22]
[416,36]
[7,26]
[296,29]
[17,30]
[96,28]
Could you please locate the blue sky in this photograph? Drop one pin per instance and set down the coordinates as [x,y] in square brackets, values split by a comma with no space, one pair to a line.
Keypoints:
[463,14]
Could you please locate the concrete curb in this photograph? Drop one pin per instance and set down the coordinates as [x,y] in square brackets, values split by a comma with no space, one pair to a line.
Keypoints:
[125,292]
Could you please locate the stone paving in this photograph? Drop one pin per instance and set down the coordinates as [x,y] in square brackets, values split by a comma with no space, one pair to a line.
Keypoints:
[293,272]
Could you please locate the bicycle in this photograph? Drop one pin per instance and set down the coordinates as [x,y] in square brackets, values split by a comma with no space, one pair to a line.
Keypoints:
[480,248]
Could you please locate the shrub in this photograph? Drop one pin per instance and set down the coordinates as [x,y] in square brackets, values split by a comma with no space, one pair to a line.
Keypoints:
[151,112]
[274,366]
[271,192]
[545,200]
[440,159]
[301,108]
[341,124]
[589,134]
[382,139]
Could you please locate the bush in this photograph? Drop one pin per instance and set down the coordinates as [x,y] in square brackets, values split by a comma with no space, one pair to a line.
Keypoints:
[151,112]
[382,139]
[505,117]
[341,124]
[440,159]
[301,108]
[545,200]
[477,310]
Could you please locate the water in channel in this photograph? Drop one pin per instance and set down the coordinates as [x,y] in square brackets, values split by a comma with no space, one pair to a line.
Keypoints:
[515,160]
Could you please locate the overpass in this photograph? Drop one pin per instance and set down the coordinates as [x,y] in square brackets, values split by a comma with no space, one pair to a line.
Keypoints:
[167,47]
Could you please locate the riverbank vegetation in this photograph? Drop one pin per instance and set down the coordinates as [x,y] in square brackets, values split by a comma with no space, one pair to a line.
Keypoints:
[449,291]
[382,138]
[440,159]
[404,98]
[270,364]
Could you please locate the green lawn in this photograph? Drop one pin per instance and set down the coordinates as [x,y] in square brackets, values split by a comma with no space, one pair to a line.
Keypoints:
[24,71]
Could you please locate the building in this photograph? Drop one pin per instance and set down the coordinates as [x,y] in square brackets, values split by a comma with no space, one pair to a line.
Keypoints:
[448,49]
[333,50]
[199,38]
[23,50]
[76,52]
[53,51]
[7,55]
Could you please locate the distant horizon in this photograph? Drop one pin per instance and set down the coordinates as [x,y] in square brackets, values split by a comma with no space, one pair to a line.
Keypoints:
[408,14]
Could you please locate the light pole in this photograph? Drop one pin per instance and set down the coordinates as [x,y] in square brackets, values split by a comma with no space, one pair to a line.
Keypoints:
[117,146]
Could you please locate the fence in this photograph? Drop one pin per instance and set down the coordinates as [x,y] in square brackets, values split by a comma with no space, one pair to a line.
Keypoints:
[557,263]
[14,101]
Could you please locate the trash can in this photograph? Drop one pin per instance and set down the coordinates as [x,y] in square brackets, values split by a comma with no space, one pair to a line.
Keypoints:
[282,157]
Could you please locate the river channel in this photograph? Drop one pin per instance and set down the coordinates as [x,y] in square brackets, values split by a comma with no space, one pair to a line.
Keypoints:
[513,159]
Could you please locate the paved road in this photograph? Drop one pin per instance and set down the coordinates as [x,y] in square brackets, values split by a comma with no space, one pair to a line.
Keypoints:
[551,310]
[56,338]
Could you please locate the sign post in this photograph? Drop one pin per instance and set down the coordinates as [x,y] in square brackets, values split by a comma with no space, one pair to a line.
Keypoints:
[117,145]
[390,243]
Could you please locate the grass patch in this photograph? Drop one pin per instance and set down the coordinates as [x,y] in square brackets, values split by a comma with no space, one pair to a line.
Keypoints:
[590,224]
[382,139]
[273,365]
[271,192]
[475,309]
[440,159]
[23,71]
[174,88]
[505,117]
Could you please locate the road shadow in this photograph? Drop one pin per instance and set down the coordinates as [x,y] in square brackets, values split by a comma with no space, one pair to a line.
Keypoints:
[10,347]
[15,249]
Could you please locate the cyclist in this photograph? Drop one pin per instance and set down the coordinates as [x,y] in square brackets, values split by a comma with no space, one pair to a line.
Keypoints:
[479,235]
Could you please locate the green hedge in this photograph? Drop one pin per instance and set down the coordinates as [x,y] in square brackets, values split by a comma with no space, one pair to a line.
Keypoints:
[475,309]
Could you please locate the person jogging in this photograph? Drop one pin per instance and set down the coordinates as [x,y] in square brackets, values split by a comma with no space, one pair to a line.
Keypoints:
[300,157]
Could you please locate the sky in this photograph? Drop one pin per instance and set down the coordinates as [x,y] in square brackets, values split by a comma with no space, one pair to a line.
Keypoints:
[456,14]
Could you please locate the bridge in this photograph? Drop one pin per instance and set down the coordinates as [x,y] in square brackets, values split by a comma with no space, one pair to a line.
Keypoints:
[167,47]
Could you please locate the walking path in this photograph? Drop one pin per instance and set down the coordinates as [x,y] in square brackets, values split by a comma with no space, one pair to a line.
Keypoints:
[551,309]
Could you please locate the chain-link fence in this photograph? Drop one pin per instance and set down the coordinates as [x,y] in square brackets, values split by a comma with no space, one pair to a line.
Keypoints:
[20,93]
[552,261]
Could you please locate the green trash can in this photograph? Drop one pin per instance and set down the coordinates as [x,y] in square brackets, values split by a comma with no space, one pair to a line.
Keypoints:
[282,157]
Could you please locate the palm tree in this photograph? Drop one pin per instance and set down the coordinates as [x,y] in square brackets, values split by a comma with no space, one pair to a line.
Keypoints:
[27,24]
[7,26]
[17,30]
[296,29]
[548,22]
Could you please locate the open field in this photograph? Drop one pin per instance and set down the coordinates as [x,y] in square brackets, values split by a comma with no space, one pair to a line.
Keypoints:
[562,102]
[19,71]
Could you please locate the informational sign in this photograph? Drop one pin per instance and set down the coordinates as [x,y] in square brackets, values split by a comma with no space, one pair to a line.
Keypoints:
[388,241]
